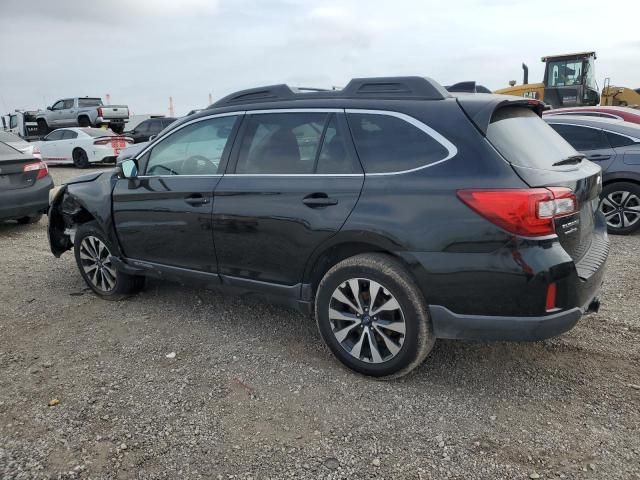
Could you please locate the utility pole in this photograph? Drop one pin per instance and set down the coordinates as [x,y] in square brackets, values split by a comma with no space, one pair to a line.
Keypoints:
[107,98]
[171,106]
[210,99]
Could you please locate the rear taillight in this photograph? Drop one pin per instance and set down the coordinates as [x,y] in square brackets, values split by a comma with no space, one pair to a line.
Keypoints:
[99,111]
[528,212]
[40,167]
[103,141]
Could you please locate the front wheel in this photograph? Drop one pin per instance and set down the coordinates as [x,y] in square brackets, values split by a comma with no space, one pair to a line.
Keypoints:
[93,254]
[373,317]
[620,204]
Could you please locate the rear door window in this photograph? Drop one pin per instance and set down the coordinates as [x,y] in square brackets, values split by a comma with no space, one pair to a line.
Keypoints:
[387,143]
[582,138]
[281,143]
[525,140]
[89,102]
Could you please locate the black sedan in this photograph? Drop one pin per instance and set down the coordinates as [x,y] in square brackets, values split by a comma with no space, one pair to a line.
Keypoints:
[24,186]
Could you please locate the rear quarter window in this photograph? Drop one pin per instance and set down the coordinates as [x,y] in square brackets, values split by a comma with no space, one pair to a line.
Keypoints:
[89,102]
[525,140]
[619,140]
[388,144]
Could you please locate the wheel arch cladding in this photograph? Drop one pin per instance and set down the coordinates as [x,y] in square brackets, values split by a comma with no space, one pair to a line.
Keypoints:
[342,247]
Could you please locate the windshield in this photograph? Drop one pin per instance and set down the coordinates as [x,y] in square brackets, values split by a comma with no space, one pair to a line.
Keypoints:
[97,132]
[89,102]
[524,139]
[562,73]
[10,138]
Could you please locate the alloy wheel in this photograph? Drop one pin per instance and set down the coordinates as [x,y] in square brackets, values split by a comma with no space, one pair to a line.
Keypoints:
[95,259]
[367,320]
[621,209]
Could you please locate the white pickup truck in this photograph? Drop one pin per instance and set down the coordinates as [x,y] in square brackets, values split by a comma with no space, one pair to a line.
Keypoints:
[82,112]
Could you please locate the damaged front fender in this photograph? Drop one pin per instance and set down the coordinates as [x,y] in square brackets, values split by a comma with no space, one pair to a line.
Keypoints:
[59,241]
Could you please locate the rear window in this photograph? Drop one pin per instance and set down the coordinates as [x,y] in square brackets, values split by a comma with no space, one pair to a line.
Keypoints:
[89,102]
[524,139]
[97,132]
[7,150]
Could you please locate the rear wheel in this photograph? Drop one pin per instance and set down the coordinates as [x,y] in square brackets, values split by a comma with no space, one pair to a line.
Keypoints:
[80,158]
[373,317]
[84,122]
[620,204]
[30,219]
[93,254]
[43,128]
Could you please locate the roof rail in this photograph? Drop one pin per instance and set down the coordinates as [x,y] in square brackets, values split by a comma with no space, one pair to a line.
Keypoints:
[414,88]
[467,87]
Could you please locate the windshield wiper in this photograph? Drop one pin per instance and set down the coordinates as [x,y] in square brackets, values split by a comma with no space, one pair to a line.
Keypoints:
[570,160]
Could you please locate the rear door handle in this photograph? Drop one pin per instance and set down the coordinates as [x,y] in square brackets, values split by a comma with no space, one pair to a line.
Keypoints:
[316,200]
[196,200]
[599,156]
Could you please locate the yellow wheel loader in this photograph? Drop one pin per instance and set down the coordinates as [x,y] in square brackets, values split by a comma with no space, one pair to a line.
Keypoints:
[569,81]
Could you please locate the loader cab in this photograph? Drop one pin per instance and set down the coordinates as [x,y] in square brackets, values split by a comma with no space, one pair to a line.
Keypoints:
[569,80]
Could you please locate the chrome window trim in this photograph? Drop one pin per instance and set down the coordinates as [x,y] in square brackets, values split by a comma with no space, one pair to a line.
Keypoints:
[452,150]
[295,110]
[578,114]
[636,140]
[181,176]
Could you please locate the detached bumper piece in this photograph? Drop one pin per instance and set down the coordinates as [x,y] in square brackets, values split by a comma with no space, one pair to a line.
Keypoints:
[449,325]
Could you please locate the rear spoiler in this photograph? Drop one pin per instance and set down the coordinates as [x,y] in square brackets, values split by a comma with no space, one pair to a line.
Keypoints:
[480,108]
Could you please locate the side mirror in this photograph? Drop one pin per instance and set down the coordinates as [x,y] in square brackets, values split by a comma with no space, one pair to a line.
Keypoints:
[129,168]
[49,108]
[152,137]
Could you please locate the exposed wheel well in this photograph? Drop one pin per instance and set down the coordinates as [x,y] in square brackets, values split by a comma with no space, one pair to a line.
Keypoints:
[620,180]
[336,254]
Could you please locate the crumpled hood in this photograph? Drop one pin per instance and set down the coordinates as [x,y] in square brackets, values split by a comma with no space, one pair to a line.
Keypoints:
[88,177]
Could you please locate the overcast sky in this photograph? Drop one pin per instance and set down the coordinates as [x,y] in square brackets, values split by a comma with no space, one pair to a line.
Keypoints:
[143,51]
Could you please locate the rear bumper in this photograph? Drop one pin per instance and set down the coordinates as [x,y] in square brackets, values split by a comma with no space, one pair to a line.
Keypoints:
[447,324]
[25,201]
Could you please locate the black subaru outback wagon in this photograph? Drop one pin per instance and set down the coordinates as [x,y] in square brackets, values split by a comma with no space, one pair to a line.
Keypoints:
[394,211]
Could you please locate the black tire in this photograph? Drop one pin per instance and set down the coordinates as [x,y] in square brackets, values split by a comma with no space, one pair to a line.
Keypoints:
[30,219]
[393,282]
[620,203]
[43,128]
[105,280]
[84,122]
[117,129]
[80,158]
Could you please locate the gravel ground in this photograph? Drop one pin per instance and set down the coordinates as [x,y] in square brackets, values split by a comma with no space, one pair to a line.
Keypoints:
[252,392]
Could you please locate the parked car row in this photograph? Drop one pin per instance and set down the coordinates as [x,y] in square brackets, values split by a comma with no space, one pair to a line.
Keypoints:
[396,212]
[615,146]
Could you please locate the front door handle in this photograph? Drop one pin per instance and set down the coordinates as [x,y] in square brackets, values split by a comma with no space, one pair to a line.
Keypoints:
[599,156]
[316,200]
[196,200]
